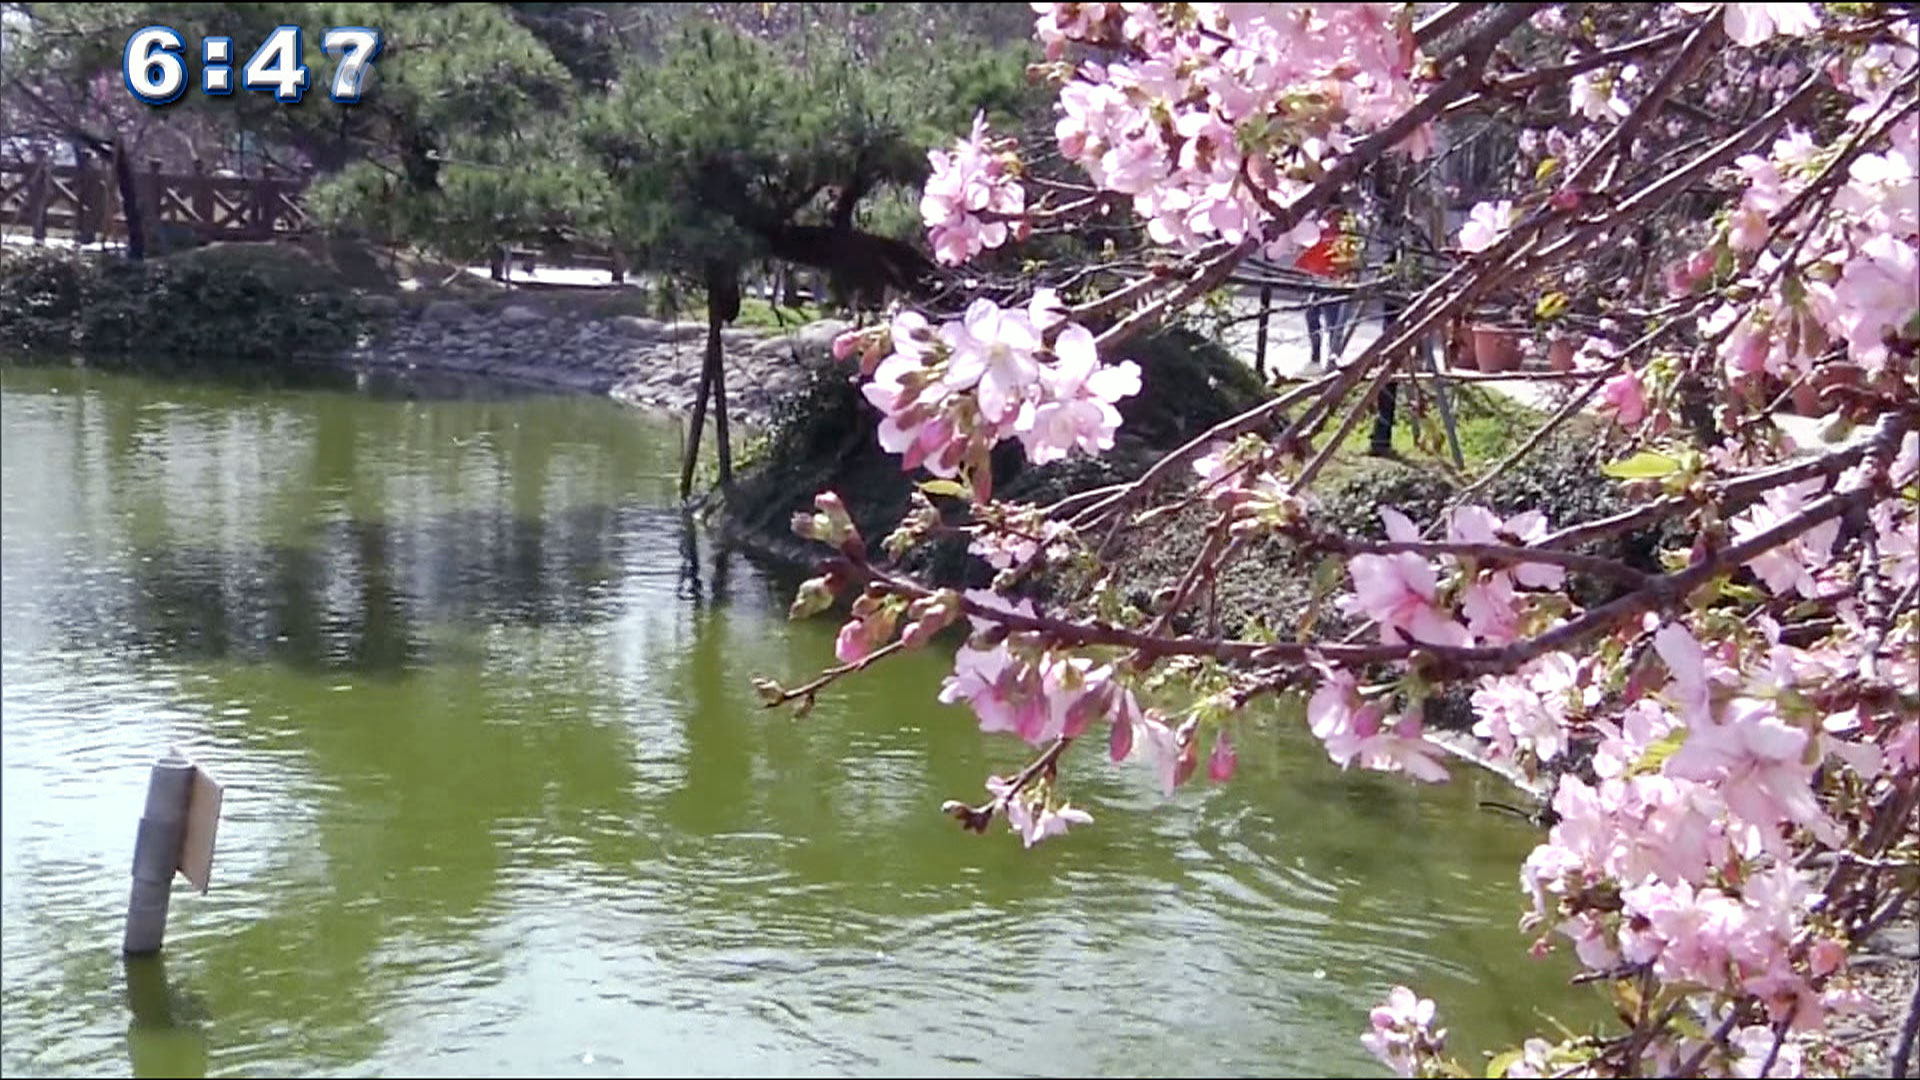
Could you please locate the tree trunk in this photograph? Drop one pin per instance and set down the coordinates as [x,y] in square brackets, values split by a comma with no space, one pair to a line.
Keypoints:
[130,203]
[723,306]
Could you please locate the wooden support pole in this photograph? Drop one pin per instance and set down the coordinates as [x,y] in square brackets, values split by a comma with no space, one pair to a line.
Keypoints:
[716,361]
[87,201]
[694,428]
[1260,335]
[39,182]
[202,200]
[156,853]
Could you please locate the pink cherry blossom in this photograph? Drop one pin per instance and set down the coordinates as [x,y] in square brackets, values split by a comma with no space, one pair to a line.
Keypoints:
[1033,822]
[1220,763]
[1793,566]
[1078,408]
[995,350]
[1623,396]
[1399,1030]
[967,182]
[1398,592]
[1878,293]
[1752,24]
[1757,762]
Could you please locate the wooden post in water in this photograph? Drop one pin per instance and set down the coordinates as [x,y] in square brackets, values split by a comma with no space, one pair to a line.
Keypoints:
[176,834]
[156,853]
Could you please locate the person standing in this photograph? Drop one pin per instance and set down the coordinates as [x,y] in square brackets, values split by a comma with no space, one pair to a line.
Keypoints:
[1331,257]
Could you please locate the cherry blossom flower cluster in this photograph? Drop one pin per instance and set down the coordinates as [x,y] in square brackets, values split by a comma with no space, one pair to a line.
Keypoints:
[972,195]
[1042,695]
[1234,109]
[1402,1031]
[947,394]
[1855,266]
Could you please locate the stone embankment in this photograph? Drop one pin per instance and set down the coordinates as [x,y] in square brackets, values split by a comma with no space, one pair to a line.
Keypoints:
[637,360]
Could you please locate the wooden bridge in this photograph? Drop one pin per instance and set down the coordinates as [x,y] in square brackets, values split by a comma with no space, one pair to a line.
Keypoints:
[84,201]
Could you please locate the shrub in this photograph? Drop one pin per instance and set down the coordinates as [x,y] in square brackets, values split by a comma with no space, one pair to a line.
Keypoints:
[226,301]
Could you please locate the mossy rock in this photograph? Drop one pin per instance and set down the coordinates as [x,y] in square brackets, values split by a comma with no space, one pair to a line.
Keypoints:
[824,438]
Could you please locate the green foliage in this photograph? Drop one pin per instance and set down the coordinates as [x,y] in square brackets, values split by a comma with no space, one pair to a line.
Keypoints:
[1188,384]
[227,301]
[760,314]
[727,137]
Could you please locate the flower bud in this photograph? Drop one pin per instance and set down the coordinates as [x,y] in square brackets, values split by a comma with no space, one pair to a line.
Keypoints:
[771,693]
[918,633]
[812,597]
[1120,738]
[804,526]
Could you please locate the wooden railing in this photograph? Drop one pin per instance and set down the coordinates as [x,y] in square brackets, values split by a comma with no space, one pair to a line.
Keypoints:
[84,201]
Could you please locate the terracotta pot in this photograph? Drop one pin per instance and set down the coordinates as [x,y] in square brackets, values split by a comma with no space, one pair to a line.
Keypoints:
[1560,354]
[1496,348]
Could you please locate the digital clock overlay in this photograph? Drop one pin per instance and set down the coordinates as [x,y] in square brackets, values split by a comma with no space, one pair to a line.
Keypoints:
[154,64]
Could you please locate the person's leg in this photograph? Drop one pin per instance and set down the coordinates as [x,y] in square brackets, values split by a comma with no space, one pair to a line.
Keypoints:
[1331,317]
[1313,332]
[1381,441]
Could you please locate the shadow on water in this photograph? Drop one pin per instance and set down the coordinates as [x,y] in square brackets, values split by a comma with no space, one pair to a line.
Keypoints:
[255,376]
[364,598]
[166,1029]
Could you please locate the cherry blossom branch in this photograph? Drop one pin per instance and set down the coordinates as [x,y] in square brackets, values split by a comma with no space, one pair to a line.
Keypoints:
[1495,554]
[1568,409]
[1731,496]
[1632,50]
[1449,18]
[978,818]
[1656,593]
[1214,272]
[774,695]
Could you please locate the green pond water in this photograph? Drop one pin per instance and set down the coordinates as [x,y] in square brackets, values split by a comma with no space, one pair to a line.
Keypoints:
[500,799]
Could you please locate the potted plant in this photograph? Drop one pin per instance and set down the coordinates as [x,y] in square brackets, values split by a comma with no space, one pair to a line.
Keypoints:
[1560,350]
[1495,347]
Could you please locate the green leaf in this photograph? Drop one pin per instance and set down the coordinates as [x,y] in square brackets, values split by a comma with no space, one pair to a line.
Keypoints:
[1645,465]
[1546,168]
[952,488]
[1659,752]
[1502,1062]
[1326,578]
